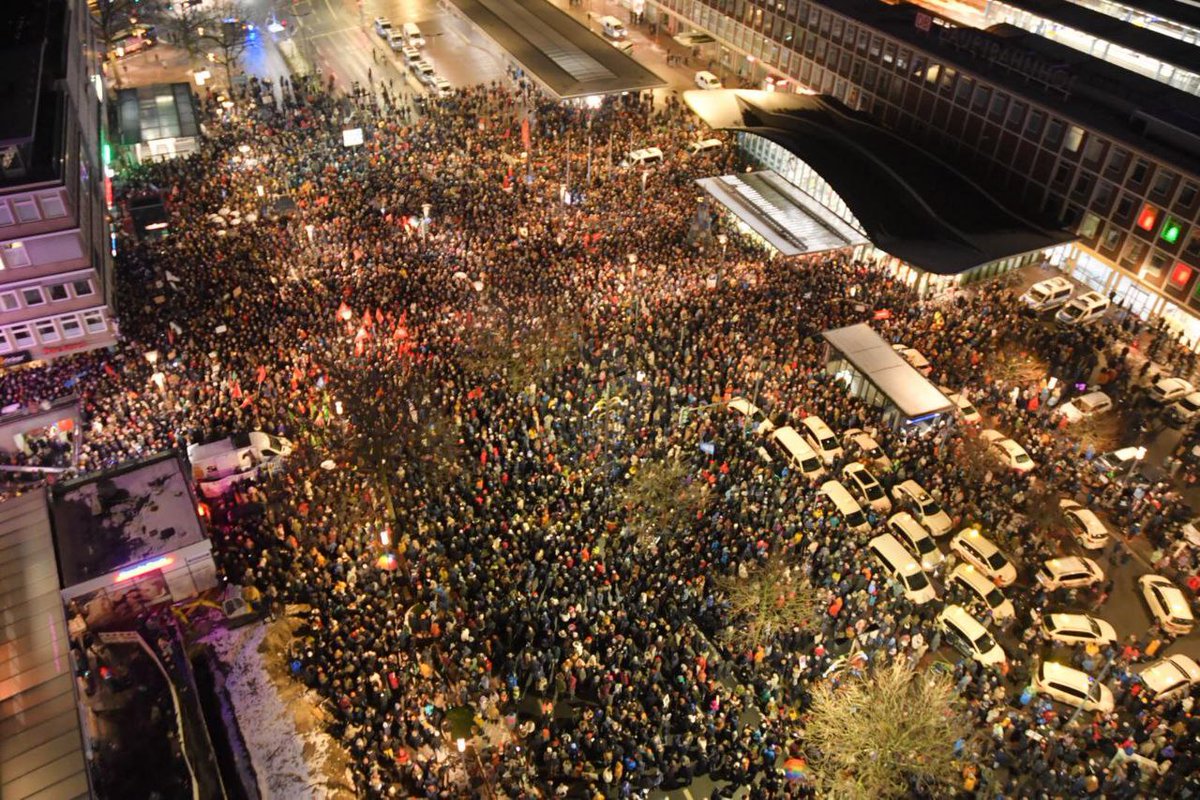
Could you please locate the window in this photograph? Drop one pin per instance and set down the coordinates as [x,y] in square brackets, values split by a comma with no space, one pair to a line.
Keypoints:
[1091,224]
[1094,150]
[962,92]
[1033,128]
[980,101]
[94,321]
[46,331]
[889,53]
[1124,209]
[1187,195]
[1117,164]
[14,255]
[1112,237]
[57,291]
[1062,175]
[8,301]
[1140,170]
[1192,249]
[999,102]
[82,287]
[1074,139]
[1163,182]
[52,205]
[70,326]
[27,210]
[1054,134]
[6,215]
[1104,195]
[1083,186]
[33,296]
[21,336]
[5,344]
[902,60]
[1135,251]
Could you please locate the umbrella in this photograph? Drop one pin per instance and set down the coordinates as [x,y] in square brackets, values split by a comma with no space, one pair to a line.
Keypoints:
[795,769]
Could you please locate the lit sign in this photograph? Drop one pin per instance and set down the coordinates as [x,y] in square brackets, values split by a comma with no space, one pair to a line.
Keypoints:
[1170,231]
[1181,274]
[1148,217]
[143,568]
[352,137]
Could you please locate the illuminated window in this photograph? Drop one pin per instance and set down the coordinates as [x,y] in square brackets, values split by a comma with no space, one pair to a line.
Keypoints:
[1181,274]
[1148,217]
[1170,231]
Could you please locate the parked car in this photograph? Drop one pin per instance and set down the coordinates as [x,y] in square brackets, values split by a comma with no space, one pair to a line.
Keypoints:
[856,441]
[1072,687]
[383,26]
[1087,405]
[1009,452]
[966,412]
[754,418]
[1069,572]
[1083,310]
[411,55]
[980,587]
[1185,408]
[1170,678]
[1077,629]
[1048,294]
[1168,604]
[927,510]
[975,548]
[706,80]
[1084,525]
[916,539]
[868,490]
[1168,390]
[968,636]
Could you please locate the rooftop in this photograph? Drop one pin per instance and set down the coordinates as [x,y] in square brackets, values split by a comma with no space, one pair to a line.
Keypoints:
[908,389]
[909,202]
[1110,29]
[41,749]
[1099,95]
[136,512]
[157,111]
[558,51]
[1180,11]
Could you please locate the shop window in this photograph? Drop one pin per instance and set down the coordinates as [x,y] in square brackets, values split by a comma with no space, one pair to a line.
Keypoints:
[57,291]
[46,331]
[8,301]
[32,296]
[21,336]
[70,326]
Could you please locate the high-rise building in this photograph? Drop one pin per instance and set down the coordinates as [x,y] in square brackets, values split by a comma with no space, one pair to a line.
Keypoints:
[55,257]
[1110,153]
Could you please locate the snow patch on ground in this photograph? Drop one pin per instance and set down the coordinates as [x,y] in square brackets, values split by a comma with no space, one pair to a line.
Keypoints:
[292,755]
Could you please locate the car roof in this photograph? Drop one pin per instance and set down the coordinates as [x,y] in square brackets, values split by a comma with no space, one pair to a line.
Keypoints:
[1087,517]
[1057,282]
[1061,672]
[980,582]
[1176,600]
[912,487]
[981,542]
[903,519]
[1063,564]
[1161,674]
[964,618]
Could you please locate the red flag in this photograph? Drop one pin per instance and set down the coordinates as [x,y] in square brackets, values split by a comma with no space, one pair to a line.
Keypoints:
[112,373]
[262,373]
[344,311]
[235,390]
[525,134]
[378,316]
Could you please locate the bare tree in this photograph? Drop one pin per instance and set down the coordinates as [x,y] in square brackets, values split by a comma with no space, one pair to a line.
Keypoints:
[880,734]
[186,26]
[662,497]
[111,18]
[773,597]
[227,37]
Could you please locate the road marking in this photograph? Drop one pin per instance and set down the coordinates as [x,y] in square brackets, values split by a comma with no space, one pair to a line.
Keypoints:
[333,33]
[687,792]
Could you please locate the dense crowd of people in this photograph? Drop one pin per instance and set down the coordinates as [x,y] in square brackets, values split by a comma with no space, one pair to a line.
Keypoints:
[485,367]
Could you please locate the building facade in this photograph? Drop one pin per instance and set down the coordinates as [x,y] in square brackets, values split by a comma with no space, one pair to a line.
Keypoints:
[1112,155]
[55,245]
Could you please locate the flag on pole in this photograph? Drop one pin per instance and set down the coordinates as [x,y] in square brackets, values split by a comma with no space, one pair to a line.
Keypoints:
[525,134]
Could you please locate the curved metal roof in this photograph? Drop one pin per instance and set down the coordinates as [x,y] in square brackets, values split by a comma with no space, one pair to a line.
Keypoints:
[910,203]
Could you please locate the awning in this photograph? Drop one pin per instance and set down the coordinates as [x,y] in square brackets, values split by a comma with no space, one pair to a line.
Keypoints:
[791,221]
[693,38]
[908,389]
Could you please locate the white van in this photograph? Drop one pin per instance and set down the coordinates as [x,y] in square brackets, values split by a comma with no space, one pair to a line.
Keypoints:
[706,80]
[821,438]
[216,466]
[702,146]
[612,27]
[1048,294]
[1084,309]
[900,564]
[968,636]
[846,505]
[412,34]
[797,452]
[910,532]
[646,157]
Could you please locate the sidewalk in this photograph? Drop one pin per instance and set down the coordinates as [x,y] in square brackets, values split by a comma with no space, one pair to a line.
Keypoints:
[163,63]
